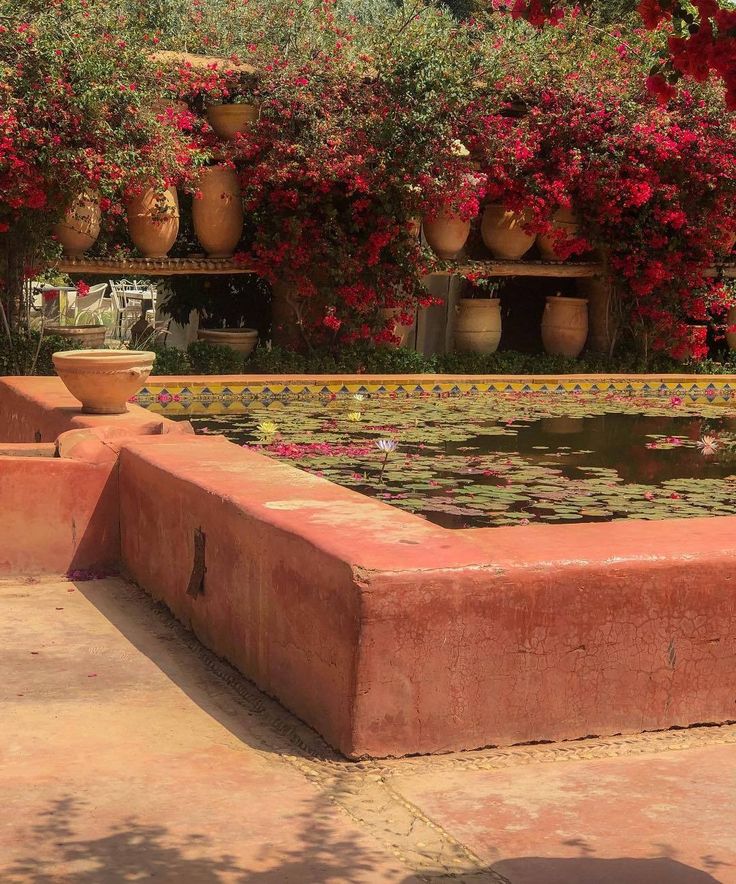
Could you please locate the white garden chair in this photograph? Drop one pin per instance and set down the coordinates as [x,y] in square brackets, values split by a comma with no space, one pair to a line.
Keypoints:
[127,302]
[90,308]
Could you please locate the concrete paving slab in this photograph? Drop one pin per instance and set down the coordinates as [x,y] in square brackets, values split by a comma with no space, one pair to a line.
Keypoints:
[128,752]
[655,819]
[120,762]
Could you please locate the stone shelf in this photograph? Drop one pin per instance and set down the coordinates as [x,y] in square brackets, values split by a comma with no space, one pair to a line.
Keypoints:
[151,266]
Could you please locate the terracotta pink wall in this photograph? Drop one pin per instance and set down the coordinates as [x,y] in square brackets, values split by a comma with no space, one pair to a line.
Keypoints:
[281,610]
[57,515]
[548,649]
[39,409]
[392,636]
[386,633]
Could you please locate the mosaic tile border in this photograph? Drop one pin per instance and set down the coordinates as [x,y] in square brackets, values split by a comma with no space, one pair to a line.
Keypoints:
[180,395]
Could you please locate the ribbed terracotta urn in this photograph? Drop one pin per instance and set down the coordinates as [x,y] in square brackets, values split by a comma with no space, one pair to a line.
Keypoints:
[80,226]
[446,234]
[402,332]
[478,325]
[565,326]
[103,380]
[218,214]
[242,340]
[503,233]
[566,226]
[731,323]
[89,337]
[229,119]
[153,221]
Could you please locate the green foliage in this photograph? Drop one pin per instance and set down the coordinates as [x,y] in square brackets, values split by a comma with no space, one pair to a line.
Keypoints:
[22,354]
[207,358]
[170,361]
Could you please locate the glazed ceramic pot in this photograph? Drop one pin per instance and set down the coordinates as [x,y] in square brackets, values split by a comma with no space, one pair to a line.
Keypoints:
[229,119]
[477,325]
[503,233]
[564,221]
[565,326]
[153,221]
[731,323]
[218,215]
[446,234]
[89,337]
[402,332]
[80,226]
[243,340]
[103,380]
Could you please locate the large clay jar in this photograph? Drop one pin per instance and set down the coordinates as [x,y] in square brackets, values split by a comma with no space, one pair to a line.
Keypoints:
[731,323]
[446,234]
[80,226]
[242,340]
[503,233]
[153,221]
[478,325]
[402,332]
[218,214]
[565,326]
[89,337]
[563,221]
[103,380]
[726,244]
[227,120]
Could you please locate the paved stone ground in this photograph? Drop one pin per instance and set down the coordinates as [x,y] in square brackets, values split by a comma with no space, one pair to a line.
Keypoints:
[130,753]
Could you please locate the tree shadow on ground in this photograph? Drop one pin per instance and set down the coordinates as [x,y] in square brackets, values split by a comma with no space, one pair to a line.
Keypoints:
[56,852]
[590,870]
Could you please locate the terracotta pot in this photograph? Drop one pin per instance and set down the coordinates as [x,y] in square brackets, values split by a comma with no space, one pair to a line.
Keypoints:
[289,311]
[565,326]
[218,215]
[229,119]
[88,336]
[103,380]
[478,325]
[413,227]
[243,340]
[697,337]
[728,241]
[80,227]
[731,323]
[601,322]
[564,220]
[446,234]
[503,234]
[153,221]
[400,331]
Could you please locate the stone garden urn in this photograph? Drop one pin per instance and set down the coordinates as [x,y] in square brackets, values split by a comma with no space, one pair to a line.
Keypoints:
[103,380]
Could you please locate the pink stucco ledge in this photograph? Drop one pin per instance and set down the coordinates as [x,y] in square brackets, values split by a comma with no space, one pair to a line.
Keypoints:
[393,636]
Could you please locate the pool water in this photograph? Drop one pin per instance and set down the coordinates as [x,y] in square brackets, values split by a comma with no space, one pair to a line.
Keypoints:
[490,460]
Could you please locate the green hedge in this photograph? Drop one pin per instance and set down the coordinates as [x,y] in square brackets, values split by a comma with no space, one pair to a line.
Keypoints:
[206,359]
[17,356]
[210,359]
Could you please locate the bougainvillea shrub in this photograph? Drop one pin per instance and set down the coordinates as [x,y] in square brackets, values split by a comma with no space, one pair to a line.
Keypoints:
[78,112]
[370,116]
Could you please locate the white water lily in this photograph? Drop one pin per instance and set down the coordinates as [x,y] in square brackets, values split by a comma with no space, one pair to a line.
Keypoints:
[708,445]
[387,445]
